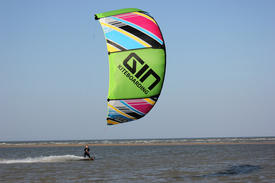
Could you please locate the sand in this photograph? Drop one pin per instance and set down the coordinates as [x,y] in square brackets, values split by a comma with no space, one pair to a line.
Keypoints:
[32,145]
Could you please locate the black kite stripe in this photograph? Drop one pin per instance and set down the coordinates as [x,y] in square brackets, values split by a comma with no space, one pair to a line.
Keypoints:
[137,33]
[115,45]
[141,35]
[113,120]
[129,112]
[154,98]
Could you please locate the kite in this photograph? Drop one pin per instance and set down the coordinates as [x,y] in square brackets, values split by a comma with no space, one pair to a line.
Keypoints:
[137,62]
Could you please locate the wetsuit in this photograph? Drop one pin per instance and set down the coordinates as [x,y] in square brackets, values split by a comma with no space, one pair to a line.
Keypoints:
[86,152]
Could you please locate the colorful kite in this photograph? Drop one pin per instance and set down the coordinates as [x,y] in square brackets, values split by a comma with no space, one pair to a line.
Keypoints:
[136,63]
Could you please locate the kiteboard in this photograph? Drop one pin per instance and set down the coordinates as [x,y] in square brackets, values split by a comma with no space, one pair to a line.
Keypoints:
[87,159]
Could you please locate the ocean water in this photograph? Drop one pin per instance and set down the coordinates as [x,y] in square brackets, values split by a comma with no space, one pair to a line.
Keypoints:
[142,163]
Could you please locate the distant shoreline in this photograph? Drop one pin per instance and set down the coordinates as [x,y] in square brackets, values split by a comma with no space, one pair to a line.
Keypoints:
[132,144]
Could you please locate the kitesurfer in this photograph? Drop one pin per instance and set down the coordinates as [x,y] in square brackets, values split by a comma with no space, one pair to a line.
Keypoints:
[87,151]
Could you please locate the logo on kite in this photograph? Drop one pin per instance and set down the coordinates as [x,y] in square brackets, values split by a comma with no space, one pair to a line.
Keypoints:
[133,69]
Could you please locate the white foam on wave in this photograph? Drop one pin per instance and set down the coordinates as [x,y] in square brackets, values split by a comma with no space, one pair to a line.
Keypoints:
[42,159]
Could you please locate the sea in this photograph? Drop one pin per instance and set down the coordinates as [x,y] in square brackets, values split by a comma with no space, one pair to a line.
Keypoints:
[191,160]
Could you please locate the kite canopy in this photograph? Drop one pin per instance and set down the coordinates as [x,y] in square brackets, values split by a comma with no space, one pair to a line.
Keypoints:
[136,63]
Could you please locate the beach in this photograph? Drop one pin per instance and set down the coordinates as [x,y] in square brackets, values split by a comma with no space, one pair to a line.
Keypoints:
[142,142]
[131,144]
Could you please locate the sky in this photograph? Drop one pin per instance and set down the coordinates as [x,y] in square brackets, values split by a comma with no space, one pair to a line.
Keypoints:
[220,77]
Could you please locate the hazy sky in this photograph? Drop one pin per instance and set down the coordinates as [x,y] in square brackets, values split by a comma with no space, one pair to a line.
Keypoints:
[220,78]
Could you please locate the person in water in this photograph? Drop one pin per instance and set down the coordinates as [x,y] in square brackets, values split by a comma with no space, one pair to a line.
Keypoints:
[87,151]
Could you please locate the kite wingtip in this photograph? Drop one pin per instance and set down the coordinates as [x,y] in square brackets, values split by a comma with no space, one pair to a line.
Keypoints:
[111,122]
[96,18]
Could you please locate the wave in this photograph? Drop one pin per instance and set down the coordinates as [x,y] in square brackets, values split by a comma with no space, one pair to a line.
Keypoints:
[43,159]
[235,170]
[144,141]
